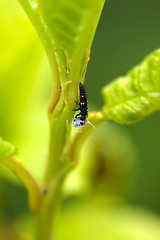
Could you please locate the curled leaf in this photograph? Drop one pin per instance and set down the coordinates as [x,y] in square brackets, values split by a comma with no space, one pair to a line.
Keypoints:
[133,97]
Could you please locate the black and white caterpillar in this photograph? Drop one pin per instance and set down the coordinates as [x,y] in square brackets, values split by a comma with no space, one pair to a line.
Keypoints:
[81,118]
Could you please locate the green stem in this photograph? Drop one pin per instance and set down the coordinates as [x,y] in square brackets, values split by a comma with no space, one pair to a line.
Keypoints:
[49,207]
[27,179]
[96,118]
[58,136]
[48,211]
[57,168]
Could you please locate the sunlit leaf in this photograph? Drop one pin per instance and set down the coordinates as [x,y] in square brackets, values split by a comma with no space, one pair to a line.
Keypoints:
[24,88]
[131,98]
[21,54]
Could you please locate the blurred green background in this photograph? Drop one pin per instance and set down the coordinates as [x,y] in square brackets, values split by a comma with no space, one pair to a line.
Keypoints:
[128,31]
[117,184]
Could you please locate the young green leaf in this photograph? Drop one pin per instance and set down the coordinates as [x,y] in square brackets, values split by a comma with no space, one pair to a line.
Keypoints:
[66,29]
[69,22]
[6,149]
[131,98]
[72,26]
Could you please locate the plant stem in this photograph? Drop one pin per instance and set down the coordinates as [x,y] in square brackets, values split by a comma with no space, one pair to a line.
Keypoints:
[58,136]
[58,166]
[34,190]
[49,207]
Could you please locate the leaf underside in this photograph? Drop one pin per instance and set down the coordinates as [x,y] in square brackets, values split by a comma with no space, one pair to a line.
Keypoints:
[131,98]
[67,21]
[72,26]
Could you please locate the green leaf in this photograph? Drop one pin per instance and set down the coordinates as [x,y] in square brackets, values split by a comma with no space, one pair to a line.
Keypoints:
[6,149]
[23,68]
[69,21]
[66,29]
[133,97]
[20,69]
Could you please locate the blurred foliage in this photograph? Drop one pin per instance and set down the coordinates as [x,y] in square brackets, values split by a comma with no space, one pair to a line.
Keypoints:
[24,94]
[107,219]
[6,149]
[102,169]
[124,37]
[122,40]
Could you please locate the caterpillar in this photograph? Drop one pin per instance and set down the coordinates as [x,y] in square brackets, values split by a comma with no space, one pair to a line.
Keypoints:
[81,118]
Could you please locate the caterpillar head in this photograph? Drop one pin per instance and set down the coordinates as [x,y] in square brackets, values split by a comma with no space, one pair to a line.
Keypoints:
[77,122]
